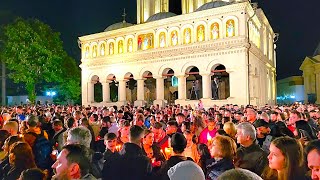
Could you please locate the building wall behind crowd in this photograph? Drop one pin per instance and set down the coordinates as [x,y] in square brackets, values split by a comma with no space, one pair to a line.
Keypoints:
[19,100]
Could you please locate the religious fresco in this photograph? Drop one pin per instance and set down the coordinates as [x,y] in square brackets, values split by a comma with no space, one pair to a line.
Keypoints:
[174,38]
[120,47]
[162,39]
[94,51]
[145,41]
[102,49]
[215,31]
[230,28]
[187,36]
[111,48]
[201,33]
[130,45]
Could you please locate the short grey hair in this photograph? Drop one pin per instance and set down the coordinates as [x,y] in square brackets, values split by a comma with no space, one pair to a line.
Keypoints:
[80,135]
[248,130]
[238,173]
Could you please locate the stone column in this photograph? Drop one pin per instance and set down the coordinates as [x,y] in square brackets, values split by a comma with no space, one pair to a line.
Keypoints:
[140,93]
[106,91]
[140,89]
[160,91]
[122,90]
[206,86]
[182,87]
[90,92]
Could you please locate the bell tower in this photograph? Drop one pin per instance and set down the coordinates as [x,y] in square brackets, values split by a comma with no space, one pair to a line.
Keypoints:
[147,8]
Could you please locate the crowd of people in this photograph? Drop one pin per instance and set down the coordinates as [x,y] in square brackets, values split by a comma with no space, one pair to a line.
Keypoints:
[173,142]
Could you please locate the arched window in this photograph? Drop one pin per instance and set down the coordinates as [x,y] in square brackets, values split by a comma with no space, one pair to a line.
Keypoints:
[86,54]
[94,51]
[111,48]
[102,49]
[130,45]
[120,47]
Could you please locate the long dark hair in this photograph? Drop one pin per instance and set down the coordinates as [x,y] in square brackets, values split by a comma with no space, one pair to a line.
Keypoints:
[23,155]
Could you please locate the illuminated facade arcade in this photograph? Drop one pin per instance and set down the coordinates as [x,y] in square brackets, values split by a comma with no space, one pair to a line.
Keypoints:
[170,49]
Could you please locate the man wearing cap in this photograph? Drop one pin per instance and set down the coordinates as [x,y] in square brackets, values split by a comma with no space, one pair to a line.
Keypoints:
[264,137]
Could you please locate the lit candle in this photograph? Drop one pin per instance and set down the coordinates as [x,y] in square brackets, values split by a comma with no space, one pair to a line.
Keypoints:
[118,148]
[209,138]
[168,152]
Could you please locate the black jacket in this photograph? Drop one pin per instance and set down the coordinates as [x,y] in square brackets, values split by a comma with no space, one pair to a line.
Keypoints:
[130,164]
[252,158]
[216,168]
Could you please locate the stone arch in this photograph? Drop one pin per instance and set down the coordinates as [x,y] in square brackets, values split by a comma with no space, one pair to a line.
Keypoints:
[143,71]
[131,87]
[214,64]
[97,88]
[126,41]
[193,82]
[101,51]
[94,49]
[117,48]
[220,81]
[189,65]
[146,33]
[86,51]
[109,41]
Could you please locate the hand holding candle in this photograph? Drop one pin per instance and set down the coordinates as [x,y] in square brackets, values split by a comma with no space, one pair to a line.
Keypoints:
[168,152]
[209,138]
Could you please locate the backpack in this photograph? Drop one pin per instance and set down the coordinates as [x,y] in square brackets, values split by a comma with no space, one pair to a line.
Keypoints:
[42,149]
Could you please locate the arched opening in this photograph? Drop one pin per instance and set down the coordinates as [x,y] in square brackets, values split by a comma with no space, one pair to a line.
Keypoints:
[114,84]
[193,84]
[150,87]
[97,89]
[170,85]
[131,87]
[220,82]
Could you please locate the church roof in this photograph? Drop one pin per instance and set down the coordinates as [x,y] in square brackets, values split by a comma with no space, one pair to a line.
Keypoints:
[213,4]
[317,51]
[160,15]
[118,25]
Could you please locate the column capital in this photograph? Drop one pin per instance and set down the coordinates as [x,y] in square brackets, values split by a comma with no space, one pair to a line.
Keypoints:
[159,77]
[139,79]
[182,76]
[205,74]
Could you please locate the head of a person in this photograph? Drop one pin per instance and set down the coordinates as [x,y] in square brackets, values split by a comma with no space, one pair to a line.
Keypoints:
[204,151]
[262,128]
[106,121]
[9,141]
[57,125]
[172,127]
[31,174]
[186,125]
[79,135]
[32,121]
[136,134]
[148,137]
[12,127]
[265,116]
[274,116]
[189,136]
[84,122]
[157,130]
[186,170]
[71,122]
[4,134]
[286,157]
[251,115]
[238,173]
[21,155]
[211,125]
[125,129]
[178,143]
[180,118]
[313,157]
[139,120]
[223,147]
[246,134]
[238,116]
[110,140]
[294,117]
[230,129]
[93,118]
[72,163]
[77,115]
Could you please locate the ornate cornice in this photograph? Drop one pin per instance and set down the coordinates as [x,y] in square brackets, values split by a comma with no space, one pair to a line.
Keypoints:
[195,50]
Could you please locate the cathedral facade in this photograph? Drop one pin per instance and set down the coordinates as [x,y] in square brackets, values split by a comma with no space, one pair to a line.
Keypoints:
[180,51]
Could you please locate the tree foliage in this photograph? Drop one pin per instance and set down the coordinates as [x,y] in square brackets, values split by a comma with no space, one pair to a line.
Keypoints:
[34,53]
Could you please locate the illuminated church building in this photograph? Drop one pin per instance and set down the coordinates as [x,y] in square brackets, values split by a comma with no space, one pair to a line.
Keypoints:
[176,43]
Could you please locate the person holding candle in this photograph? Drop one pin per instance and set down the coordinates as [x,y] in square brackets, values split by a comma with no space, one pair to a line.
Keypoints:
[110,140]
[161,139]
[208,133]
[178,144]
[223,151]
[152,151]
[191,149]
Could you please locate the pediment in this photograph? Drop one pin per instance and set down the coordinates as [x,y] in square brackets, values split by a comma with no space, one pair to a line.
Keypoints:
[307,62]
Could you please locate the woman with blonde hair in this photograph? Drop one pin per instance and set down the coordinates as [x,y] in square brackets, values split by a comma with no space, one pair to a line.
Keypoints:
[223,151]
[230,129]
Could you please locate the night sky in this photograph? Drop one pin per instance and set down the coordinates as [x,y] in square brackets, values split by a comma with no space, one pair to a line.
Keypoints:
[297,22]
